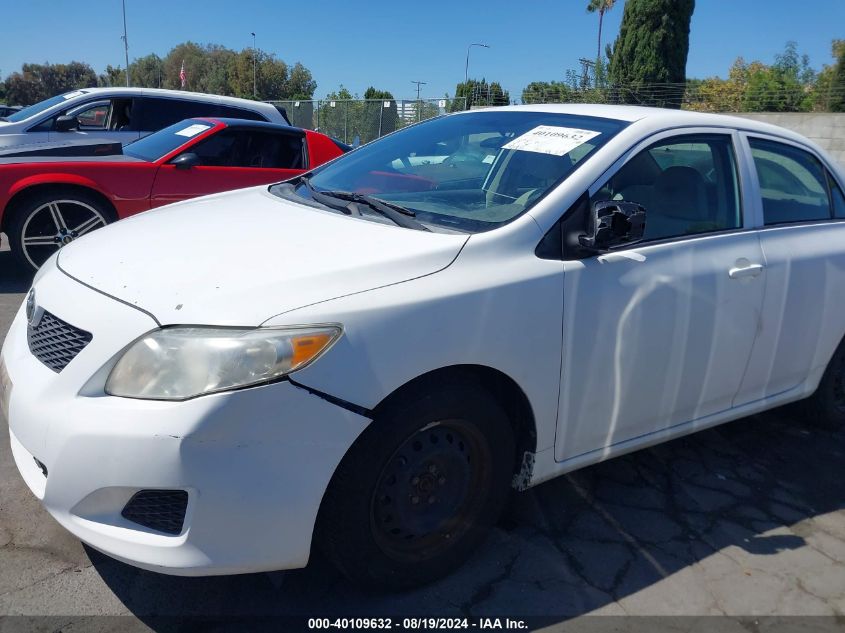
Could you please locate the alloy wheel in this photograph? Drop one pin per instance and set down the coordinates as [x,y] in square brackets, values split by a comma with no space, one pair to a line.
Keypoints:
[55,224]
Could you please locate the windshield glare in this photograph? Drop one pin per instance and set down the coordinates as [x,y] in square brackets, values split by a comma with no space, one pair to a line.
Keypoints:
[472,171]
[39,107]
[161,143]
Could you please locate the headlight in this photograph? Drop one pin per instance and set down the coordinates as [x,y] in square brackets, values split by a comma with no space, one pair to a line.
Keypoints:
[182,362]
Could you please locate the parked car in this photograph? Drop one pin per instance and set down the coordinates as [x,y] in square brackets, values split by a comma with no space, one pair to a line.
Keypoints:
[374,354]
[47,202]
[6,110]
[122,114]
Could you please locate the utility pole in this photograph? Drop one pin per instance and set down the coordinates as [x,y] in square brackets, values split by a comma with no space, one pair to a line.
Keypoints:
[254,84]
[125,43]
[419,83]
[419,109]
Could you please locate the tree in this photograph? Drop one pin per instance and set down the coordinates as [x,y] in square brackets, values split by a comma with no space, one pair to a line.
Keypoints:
[601,7]
[547,92]
[831,82]
[36,82]
[479,93]
[372,93]
[652,48]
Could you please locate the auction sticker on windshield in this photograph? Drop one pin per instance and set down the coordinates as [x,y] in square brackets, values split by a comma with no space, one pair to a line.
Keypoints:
[549,139]
[193,130]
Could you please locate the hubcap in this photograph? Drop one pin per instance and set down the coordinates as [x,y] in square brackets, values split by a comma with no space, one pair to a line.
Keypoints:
[431,491]
[55,224]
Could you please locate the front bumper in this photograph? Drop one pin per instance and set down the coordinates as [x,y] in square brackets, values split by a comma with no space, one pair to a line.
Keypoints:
[255,463]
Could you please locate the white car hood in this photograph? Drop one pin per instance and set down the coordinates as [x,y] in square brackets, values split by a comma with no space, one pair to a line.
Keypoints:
[239,258]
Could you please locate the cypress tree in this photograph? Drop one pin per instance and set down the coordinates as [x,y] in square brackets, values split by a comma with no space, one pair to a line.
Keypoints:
[652,48]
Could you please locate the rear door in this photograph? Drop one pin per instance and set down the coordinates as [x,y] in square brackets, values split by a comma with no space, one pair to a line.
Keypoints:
[232,159]
[802,218]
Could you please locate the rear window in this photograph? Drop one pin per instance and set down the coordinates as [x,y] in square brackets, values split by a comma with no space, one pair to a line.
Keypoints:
[158,113]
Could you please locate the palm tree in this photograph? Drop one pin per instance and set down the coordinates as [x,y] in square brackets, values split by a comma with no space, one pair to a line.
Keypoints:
[601,6]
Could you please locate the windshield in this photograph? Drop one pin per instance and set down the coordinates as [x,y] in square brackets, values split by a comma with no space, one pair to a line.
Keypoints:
[159,144]
[41,106]
[471,172]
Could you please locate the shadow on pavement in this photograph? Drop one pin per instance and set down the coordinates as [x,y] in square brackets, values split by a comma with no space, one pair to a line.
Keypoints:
[14,278]
[574,544]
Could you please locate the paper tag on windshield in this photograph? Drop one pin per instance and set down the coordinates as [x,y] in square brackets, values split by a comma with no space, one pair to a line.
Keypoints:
[549,139]
[193,130]
[71,95]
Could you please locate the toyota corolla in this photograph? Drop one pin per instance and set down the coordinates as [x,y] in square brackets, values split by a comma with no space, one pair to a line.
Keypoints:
[376,352]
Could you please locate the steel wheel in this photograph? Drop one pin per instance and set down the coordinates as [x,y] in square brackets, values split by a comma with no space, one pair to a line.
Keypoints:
[54,224]
[431,491]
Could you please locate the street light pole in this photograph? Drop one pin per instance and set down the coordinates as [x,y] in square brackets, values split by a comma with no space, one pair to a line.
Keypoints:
[254,84]
[466,68]
[125,43]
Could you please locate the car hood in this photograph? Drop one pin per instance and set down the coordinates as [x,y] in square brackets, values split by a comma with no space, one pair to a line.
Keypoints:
[239,258]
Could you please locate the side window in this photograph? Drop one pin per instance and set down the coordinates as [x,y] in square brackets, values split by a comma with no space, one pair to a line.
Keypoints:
[94,116]
[688,185]
[238,113]
[157,113]
[250,148]
[792,183]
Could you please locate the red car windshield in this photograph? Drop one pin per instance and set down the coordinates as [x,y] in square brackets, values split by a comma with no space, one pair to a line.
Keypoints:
[161,143]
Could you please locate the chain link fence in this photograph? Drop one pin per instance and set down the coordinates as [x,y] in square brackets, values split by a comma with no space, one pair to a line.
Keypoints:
[349,120]
[704,96]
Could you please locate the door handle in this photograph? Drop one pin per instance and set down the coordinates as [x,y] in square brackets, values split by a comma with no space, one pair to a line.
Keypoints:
[749,270]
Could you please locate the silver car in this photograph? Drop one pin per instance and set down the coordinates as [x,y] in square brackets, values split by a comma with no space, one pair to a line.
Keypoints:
[121,114]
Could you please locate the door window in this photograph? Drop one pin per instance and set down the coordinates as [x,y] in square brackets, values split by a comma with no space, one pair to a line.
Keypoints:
[688,185]
[252,148]
[94,116]
[792,183]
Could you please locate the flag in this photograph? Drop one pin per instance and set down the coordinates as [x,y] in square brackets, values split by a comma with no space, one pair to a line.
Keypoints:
[182,76]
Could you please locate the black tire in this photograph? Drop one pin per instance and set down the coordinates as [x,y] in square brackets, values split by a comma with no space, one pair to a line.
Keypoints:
[426,441]
[44,221]
[826,407]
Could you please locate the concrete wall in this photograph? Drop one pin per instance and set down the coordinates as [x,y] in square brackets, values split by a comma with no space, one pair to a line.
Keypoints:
[826,129]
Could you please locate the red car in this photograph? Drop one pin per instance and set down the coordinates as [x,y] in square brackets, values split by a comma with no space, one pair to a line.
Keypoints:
[46,202]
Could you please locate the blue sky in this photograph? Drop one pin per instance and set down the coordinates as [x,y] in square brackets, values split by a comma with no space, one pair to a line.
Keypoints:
[390,43]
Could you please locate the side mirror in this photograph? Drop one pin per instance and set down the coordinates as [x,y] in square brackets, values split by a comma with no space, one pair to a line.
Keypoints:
[185,161]
[613,224]
[66,123]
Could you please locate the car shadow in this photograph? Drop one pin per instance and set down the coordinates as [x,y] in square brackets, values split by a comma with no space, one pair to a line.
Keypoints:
[14,277]
[578,543]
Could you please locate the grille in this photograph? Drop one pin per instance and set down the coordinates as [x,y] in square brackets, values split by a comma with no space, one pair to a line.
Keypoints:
[54,342]
[162,510]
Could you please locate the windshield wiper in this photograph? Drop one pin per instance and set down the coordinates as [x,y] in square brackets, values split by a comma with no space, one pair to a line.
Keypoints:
[342,200]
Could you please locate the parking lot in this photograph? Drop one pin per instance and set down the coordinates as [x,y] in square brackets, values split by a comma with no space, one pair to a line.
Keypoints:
[745,519]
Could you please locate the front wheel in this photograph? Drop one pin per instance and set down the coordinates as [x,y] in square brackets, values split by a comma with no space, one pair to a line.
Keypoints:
[45,221]
[420,488]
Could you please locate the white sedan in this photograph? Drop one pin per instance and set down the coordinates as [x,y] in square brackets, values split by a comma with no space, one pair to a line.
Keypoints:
[366,359]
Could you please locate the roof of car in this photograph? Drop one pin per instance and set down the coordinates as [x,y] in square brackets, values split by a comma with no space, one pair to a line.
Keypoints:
[658,118]
[231,122]
[180,94]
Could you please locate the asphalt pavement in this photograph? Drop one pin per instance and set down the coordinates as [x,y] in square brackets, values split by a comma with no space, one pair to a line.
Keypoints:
[747,519]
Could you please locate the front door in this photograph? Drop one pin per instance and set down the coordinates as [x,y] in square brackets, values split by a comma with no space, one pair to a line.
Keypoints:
[659,334]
